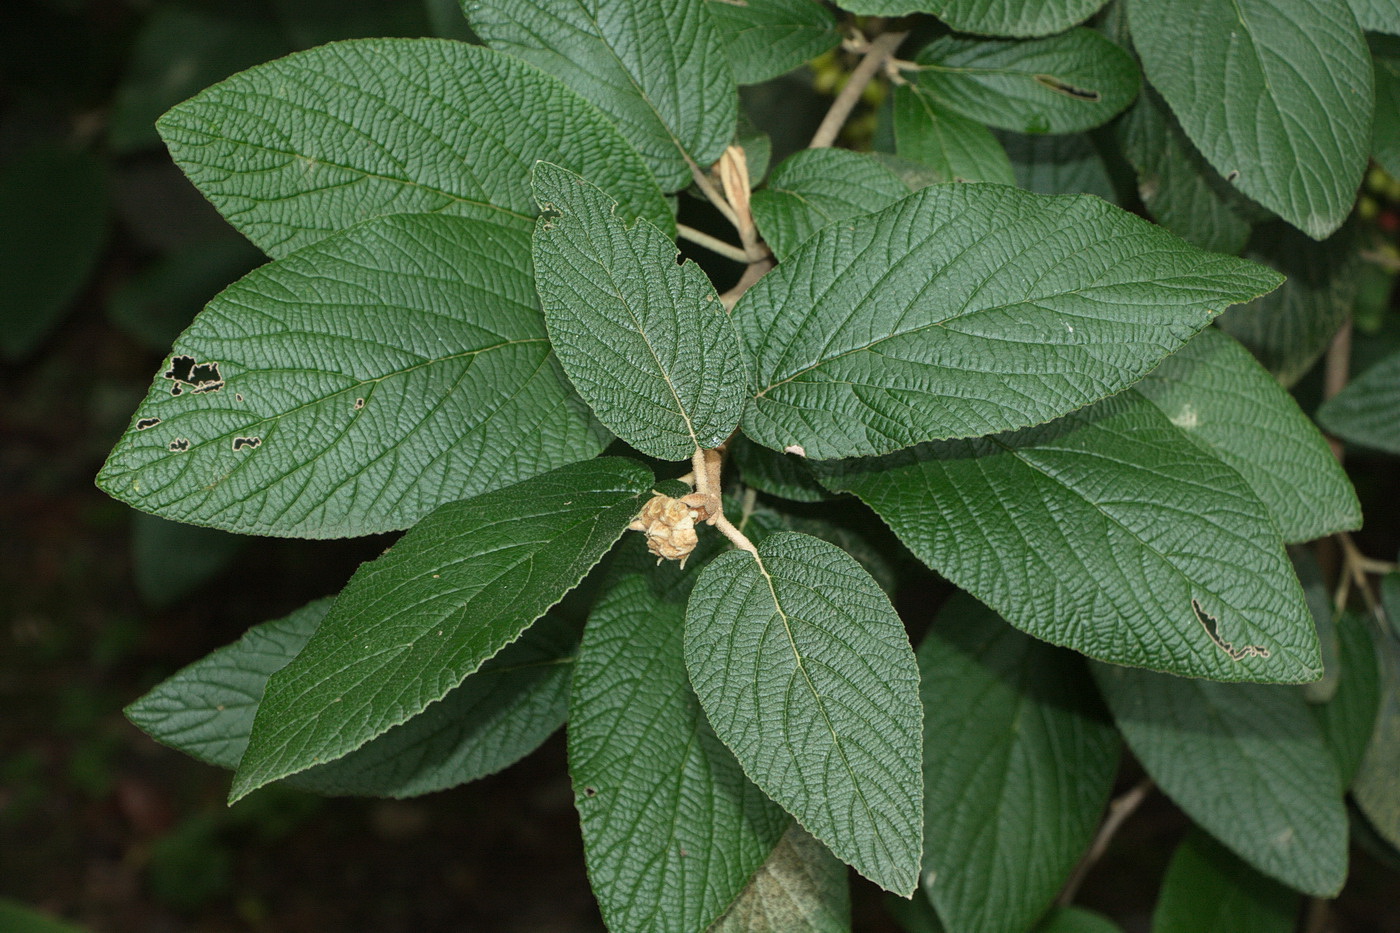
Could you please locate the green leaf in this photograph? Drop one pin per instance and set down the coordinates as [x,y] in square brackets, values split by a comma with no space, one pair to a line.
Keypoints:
[1077,920]
[855,531]
[1066,164]
[1367,411]
[1288,330]
[1246,762]
[645,341]
[454,591]
[784,475]
[1385,130]
[813,188]
[301,147]
[169,560]
[1276,94]
[1349,716]
[499,714]
[1061,84]
[1375,789]
[671,827]
[1108,532]
[1177,186]
[17,918]
[800,889]
[969,309]
[956,148]
[1208,890]
[988,17]
[659,68]
[54,203]
[767,38]
[805,672]
[356,385]
[1019,760]
[1377,15]
[1205,388]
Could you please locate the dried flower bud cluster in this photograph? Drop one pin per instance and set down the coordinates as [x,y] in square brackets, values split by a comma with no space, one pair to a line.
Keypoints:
[669,524]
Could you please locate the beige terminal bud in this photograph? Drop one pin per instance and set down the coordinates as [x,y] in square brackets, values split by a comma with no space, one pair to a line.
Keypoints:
[669,524]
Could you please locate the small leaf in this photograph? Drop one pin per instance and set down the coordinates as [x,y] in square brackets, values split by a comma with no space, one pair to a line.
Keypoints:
[1375,789]
[805,672]
[1349,716]
[1367,411]
[454,591]
[1019,760]
[813,188]
[1276,94]
[964,310]
[1204,387]
[55,207]
[1108,532]
[802,888]
[1064,164]
[988,17]
[645,341]
[1061,84]
[658,68]
[956,148]
[1385,130]
[1289,329]
[768,38]
[671,827]
[354,386]
[301,147]
[1177,186]
[1208,890]
[1246,762]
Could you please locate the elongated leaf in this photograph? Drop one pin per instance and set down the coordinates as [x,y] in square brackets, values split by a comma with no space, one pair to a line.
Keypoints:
[1108,532]
[814,188]
[767,38]
[806,674]
[1019,759]
[1289,330]
[645,341]
[1176,184]
[969,309]
[1246,762]
[354,386]
[1216,393]
[1385,130]
[1276,94]
[499,714]
[988,17]
[1061,84]
[956,148]
[1349,716]
[301,147]
[1375,789]
[410,626]
[1208,890]
[1367,411]
[659,68]
[55,207]
[1065,164]
[671,827]
[800,889]
[1377,15]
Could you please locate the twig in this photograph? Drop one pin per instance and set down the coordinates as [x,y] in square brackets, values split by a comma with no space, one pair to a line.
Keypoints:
[713,244]
[1119,810]
[881,48]
[707,187]
[754,272]
[1335,374]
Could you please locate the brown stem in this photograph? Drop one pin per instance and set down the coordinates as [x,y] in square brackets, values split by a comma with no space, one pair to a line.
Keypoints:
[713,244]
[754,272]
[1336,371]
[880,49]
[1119,810]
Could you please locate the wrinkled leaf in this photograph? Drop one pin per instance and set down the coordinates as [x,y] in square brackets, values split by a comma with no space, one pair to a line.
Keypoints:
[1060,84]
[1375,789]
[963,310]
[1065,164]
[1367,411]
[805,672]
[1349,716]
[1108,532]
[1276,94]
[988,17]
[1377,15]
[1246,762]
[1385,130]
[672,829]
[767,38]
[802,888]
[645,341]
[1208,890]
[301,147]
[1019,760]
[954,147]
[454,591]
[814,188]
[354,386]
[658,68]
